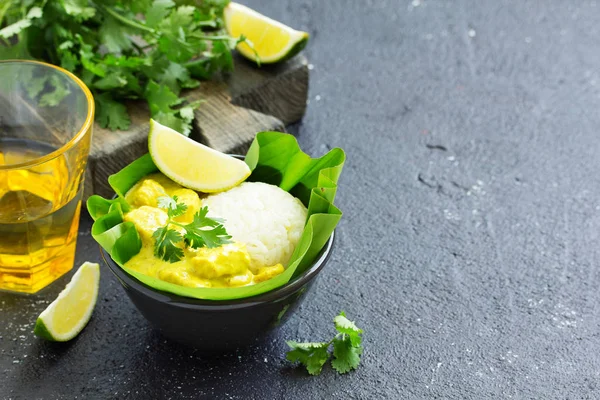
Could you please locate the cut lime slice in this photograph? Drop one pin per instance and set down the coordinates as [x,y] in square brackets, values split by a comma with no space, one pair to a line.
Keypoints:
[272,40]
[70,312]
[192,164]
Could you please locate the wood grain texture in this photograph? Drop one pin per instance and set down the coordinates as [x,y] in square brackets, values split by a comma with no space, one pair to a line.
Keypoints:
[235,108]
[258,88]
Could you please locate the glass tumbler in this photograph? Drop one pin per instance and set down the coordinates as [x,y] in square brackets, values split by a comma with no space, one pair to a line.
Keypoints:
[46,118]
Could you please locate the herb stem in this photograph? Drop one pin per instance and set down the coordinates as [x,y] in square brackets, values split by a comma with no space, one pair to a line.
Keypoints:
[208,37]
[127,21]
[171,222]
[211,24]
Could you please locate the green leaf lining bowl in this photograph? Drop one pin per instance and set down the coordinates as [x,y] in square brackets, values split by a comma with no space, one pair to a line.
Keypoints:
[219,325]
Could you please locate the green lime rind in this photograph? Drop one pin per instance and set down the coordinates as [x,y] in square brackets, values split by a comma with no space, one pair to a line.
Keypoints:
[42,331]
[296,48]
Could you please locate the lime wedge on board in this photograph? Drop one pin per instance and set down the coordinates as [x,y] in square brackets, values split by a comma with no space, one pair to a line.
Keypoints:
[272,40]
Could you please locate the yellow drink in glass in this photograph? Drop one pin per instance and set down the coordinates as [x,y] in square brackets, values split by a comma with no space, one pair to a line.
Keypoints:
[46,116]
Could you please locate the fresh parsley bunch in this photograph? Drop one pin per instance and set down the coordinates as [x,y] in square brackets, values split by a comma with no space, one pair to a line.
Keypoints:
[122,49]
[347,348]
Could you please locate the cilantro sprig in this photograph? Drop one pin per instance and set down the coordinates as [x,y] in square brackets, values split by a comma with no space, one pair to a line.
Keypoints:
[122,49]
[347,349]
[201,232]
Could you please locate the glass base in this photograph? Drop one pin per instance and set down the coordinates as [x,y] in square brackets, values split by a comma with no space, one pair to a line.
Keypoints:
[34,279]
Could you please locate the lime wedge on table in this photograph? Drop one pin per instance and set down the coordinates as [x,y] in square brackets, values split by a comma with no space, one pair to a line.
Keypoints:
[272,40]
[192,164]
[72,309]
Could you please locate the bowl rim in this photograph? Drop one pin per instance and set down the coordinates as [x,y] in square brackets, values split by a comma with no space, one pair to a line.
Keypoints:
[213,305]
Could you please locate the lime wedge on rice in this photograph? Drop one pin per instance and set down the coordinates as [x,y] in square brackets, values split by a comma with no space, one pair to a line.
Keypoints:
[72,309]
[272,40]
[191,164]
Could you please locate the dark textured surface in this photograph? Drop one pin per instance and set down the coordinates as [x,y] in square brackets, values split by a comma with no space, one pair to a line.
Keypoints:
[469,249]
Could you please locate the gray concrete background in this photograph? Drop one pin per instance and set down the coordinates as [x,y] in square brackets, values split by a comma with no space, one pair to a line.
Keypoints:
[469,247]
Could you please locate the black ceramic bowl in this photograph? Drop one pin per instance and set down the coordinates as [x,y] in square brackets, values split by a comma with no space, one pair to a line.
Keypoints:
[218,325]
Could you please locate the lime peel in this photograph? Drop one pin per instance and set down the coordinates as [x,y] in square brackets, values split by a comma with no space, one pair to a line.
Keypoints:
[267,36]
[66,316]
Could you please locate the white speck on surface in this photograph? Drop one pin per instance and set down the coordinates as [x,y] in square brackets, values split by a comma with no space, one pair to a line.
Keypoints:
[451,158]
[266,359]
[435,370]
[527,39]
[472,33]
[311,67]
[429,36]
[416,3]
[16,361]
[318,97]
[476,189]
[451,216]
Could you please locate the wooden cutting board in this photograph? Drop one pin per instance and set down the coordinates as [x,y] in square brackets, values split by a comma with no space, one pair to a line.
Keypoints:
[250,100]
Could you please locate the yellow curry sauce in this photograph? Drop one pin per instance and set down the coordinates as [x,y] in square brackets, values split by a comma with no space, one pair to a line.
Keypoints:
[224,266]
